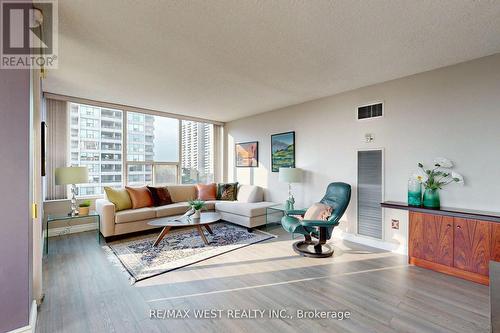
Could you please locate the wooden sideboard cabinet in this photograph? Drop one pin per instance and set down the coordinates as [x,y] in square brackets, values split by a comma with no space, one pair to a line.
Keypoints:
[453,241]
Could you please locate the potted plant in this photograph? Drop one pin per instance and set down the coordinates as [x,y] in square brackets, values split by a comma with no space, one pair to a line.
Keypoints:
[196,206]
[84,207]
[435,179]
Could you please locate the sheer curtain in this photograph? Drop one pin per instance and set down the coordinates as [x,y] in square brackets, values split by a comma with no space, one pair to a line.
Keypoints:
[57,145]
[218,142]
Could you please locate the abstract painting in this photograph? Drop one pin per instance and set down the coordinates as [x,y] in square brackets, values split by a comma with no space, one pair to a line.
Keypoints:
[282,151]
[247,154]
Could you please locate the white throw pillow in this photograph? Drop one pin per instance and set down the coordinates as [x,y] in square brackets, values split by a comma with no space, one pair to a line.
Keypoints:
[250,193]
[318,211]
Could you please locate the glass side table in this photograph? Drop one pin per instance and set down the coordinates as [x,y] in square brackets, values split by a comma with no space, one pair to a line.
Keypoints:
[274,215]
[68,219]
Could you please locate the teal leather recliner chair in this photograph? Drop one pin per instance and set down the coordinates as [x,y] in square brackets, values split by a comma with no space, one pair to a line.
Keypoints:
[337,196]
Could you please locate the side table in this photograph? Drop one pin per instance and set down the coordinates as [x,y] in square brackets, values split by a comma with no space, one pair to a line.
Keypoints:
[274,215]
[69,218]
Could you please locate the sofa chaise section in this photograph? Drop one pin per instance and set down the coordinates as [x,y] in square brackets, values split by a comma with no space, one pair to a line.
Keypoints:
[247,214]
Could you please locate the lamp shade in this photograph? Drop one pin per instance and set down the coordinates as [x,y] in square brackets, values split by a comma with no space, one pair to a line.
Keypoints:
[72,175]
[290,175]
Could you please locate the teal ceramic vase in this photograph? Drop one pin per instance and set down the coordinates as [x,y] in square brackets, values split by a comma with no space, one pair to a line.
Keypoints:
[431,198]
[414,193]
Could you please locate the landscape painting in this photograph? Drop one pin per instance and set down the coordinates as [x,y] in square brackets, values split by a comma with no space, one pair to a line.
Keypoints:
[282,151]
[247,154]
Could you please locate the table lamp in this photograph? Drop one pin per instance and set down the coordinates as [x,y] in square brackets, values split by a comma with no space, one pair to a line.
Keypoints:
[72,176]
[290,175]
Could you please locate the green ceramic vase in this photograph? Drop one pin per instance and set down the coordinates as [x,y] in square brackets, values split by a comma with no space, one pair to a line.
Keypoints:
[414,193]
[431,198]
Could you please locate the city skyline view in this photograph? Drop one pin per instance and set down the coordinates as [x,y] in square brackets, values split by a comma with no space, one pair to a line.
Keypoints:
[152,143]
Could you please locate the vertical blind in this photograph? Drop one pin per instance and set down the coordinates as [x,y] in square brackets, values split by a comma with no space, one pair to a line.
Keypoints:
[370,193]
[57,149]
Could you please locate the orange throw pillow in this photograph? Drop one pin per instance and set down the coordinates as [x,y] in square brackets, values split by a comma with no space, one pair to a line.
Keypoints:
[207,191]
[140,196]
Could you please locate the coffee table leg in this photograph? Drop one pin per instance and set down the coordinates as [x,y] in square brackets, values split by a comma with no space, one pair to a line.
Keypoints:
[161,235]
[200,231]
[208,229]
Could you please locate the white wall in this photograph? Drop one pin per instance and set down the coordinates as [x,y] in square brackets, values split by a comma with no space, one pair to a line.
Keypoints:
[16,235]
[452,112]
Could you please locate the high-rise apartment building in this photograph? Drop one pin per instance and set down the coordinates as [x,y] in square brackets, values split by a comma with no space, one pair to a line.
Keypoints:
[97,137]
[197,152]
[140,148]
[96,142]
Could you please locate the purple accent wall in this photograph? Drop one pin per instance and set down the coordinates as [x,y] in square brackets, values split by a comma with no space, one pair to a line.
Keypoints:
[15,226]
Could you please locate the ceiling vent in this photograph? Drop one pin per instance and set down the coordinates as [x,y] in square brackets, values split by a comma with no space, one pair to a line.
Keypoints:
[370,111]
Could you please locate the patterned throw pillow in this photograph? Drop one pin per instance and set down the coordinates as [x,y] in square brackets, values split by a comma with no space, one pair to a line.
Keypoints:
[119,198]
[207,191]
[227,191]
[160,195]
[319,212]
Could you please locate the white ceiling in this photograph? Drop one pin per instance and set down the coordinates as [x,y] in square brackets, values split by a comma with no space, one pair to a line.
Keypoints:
[223,60]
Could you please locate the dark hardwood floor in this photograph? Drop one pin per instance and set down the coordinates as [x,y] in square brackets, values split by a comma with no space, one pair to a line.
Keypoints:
[85,292]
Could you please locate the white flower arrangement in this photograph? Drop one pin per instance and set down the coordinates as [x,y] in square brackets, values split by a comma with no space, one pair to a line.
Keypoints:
[443,162]
[458,177]
[420,176]
[439,176]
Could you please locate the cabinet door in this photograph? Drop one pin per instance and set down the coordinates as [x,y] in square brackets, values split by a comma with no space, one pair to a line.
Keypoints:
[438,239]
[472,243]
[495,241]
[416,235]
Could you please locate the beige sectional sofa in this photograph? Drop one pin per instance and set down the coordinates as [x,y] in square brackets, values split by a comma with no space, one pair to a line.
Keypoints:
[249,210]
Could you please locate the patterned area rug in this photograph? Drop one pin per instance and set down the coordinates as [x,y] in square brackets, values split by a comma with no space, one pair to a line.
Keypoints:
[180,248]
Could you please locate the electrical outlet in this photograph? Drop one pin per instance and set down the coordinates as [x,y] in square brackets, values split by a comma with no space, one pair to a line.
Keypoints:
[395,224]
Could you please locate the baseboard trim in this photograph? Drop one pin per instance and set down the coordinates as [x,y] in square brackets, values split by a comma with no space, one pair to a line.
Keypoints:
[30,328]
[379,244]
[474,277]
[53,232]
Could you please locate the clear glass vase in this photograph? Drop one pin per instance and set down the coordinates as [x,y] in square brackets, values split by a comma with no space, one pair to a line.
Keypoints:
[431,198]
[414,193]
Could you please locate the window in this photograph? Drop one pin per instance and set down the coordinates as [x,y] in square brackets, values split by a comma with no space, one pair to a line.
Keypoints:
[154,150]
[89,145]
[113,168]
[165,174]
[113,114]
[116,147]
[139,174]
[89,134]
[136,138]
[197,152]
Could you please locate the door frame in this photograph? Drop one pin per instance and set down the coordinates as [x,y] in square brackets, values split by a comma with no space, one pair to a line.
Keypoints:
[36,184]
[382,149]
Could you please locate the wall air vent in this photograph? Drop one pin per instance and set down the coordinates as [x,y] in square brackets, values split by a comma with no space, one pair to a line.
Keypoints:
[370,111]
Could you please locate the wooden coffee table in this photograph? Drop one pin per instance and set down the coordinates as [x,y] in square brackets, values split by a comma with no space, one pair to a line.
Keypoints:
[197,223]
